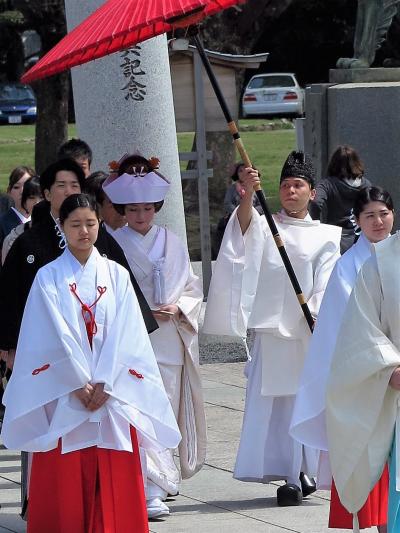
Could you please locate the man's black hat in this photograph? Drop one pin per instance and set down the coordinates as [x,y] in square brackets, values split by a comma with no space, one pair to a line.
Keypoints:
[299,165]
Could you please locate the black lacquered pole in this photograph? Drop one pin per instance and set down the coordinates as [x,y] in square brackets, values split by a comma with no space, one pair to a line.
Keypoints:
[259,192]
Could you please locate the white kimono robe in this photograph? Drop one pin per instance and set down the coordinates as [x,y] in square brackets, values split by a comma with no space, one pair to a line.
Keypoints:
[162,268]
[54,359]
[251,289]
[361,408]
[308,421]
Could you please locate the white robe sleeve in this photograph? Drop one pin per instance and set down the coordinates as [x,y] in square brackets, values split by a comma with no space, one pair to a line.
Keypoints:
[361,407]
[322,273]
[308,420]
[129,370]
[235,278]
[49,364]
[189,303]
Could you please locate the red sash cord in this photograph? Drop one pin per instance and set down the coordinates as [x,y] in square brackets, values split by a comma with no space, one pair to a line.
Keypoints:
[87,313]
[41,369]
[133,372]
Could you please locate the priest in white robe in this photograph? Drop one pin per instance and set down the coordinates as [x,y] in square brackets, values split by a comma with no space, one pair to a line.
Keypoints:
[362,405]
[82,395]
[250,289]
[164,273]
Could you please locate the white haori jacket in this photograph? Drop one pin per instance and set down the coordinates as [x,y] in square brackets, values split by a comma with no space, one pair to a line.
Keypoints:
[308,421]
[54,359]
[176,341]
[250,288]
[361,407]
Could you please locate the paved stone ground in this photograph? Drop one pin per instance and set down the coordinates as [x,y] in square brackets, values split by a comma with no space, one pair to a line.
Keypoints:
[212,501]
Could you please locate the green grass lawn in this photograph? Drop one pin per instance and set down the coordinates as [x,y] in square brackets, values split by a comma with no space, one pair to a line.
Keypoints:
[267,149]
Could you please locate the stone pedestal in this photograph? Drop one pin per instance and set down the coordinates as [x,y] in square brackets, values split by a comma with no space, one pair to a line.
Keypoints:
[123,103]
[363,115]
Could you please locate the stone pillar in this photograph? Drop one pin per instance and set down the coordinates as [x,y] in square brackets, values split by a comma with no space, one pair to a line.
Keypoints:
[316,127]
[360,108]
[364,115]
[123,103]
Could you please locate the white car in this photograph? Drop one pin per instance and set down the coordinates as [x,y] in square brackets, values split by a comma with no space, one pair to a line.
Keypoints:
[273,94]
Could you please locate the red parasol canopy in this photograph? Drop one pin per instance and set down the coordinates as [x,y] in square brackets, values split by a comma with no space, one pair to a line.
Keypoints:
[119,24]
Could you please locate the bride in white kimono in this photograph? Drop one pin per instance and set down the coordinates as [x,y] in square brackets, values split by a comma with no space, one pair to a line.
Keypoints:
[82,395]
[373,211]
[162,268]
[250,289]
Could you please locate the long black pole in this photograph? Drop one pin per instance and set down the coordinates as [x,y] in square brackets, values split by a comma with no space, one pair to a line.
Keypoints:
[259,192]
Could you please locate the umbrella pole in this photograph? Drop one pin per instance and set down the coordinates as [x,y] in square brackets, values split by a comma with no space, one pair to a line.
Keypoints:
[259,192]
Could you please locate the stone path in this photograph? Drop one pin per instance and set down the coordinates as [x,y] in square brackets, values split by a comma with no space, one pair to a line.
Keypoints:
[212,501]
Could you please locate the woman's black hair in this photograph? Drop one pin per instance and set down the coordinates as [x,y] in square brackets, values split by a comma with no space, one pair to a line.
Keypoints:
[345,163]
[235,173]
[137,161]
[371,194]
[237,167]
[17,174]
[31,188]
[75,201]
[120,208]
[48,177]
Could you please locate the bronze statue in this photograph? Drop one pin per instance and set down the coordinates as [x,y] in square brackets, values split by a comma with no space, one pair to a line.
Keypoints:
[374,18]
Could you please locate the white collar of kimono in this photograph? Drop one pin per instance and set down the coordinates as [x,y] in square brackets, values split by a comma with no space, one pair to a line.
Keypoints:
[75,264]
[152,244]
[306,221]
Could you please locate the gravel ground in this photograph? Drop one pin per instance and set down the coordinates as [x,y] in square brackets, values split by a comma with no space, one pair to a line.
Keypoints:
[221,352]
[219,349]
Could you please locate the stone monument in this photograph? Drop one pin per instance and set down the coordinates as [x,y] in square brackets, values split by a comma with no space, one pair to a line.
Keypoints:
[123,104]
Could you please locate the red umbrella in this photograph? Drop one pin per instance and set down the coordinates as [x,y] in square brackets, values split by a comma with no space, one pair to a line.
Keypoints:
[120,24]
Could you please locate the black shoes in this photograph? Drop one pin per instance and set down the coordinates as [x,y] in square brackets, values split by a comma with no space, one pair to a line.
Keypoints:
[288,495]
[308,485]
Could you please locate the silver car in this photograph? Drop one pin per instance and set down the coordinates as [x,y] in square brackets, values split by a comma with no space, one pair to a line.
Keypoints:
[273,94]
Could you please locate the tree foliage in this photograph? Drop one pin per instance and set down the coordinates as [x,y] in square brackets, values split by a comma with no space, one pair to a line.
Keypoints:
[47,18]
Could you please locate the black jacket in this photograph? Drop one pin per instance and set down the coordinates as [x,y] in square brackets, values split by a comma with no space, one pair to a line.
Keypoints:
[8,221]
[333,203]
[36,247]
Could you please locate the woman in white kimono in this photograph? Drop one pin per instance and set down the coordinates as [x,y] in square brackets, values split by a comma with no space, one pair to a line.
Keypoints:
[250,289]
[373,211]
[162,268]
[82,394]
[363,389]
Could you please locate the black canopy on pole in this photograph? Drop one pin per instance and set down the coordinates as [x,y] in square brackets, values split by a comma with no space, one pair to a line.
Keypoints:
[259,192]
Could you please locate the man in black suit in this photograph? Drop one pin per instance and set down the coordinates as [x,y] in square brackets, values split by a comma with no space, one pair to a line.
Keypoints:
[43,242]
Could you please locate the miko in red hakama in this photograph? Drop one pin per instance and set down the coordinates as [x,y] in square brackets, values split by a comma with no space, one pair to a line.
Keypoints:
[93,490]
[373,513]
[96,485]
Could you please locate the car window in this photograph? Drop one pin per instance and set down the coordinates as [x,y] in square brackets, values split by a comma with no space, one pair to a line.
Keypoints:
[15,92]
[272,81]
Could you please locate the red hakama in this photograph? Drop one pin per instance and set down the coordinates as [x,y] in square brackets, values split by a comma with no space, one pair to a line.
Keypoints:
[373,513]
[93,490]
